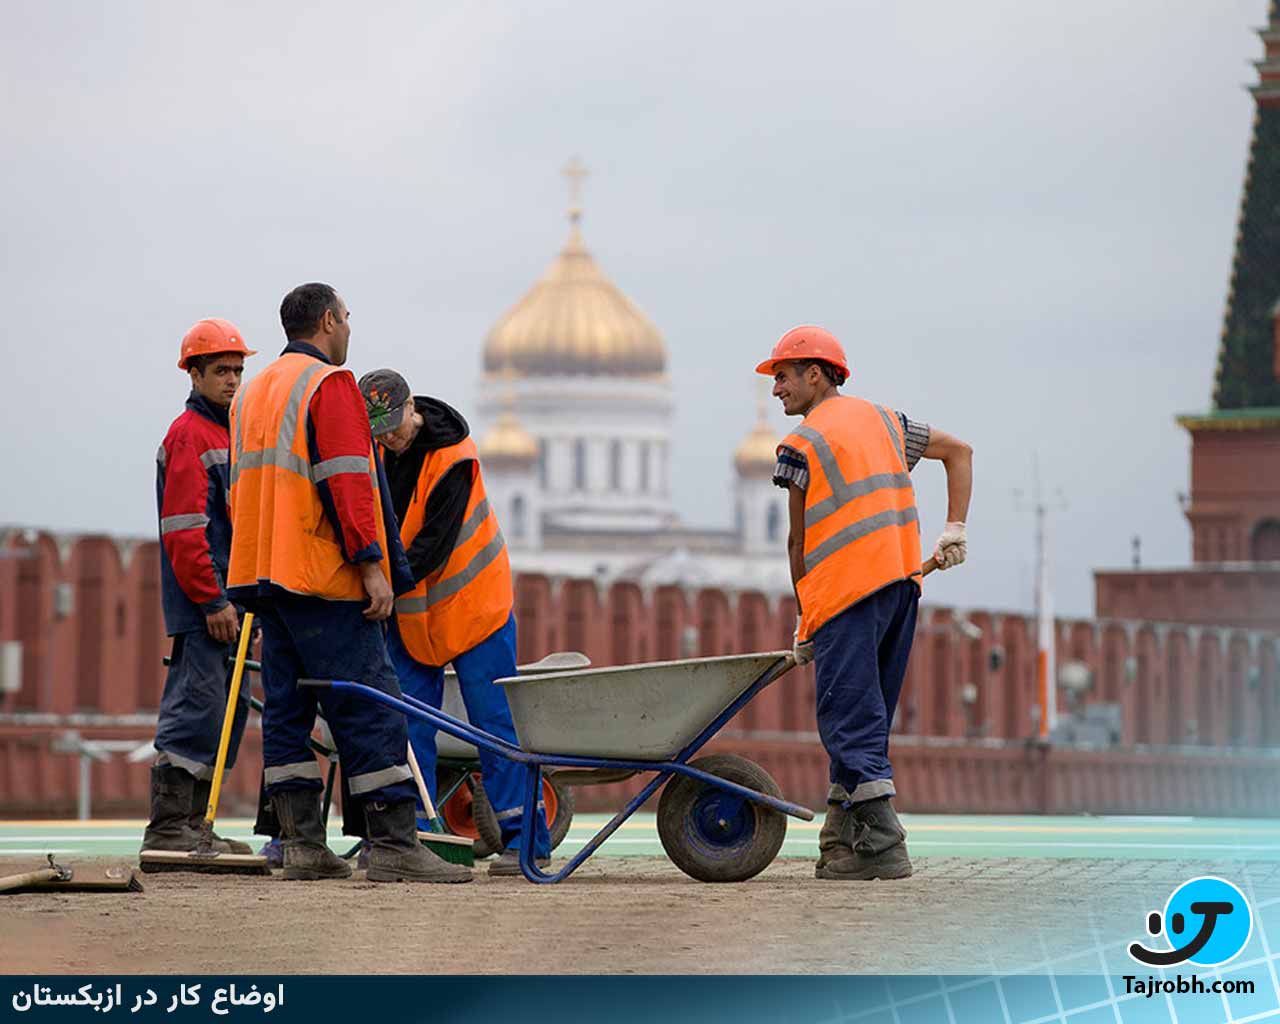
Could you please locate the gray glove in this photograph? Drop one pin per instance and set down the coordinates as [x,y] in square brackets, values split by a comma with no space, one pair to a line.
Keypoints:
[802,652]
[952,546]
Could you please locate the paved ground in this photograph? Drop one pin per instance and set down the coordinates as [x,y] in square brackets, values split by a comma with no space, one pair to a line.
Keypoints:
[990,895]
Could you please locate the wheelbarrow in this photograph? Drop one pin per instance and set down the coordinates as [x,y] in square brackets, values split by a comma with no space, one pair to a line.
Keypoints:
[720,818]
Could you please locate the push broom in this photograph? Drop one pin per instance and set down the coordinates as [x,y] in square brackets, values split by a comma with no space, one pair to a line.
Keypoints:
[204,859]
[454,849]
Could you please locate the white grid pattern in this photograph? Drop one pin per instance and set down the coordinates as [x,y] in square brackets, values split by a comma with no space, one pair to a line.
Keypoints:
[1194,1008]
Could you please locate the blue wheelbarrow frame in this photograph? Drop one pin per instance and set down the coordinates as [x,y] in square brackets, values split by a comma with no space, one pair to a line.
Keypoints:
[534,762]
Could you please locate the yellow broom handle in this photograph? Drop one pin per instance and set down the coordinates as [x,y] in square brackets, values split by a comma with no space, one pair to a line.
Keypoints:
[233,698]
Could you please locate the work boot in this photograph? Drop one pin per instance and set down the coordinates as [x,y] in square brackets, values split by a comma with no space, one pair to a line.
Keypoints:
[878,843]
[395,855]
[307,857]
[832,843]
[507,863]
[200,805]
[170,826]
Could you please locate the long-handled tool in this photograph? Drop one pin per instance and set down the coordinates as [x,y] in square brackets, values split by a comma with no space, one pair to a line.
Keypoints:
[57,878]
[204,858]
[451,848]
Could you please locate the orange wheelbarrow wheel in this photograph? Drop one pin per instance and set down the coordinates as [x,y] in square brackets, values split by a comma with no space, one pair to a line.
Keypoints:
[468,812]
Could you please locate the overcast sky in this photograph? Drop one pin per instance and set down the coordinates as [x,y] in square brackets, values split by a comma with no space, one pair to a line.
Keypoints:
[1017,216]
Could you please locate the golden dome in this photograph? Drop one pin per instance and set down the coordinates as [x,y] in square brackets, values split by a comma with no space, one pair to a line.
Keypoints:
[507,440]
[758,453]
[575,321]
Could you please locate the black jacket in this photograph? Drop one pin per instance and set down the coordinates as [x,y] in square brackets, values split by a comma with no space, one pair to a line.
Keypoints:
[442,426]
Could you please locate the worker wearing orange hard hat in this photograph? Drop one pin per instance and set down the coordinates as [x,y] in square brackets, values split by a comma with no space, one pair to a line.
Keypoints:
[854,548]
[195,534]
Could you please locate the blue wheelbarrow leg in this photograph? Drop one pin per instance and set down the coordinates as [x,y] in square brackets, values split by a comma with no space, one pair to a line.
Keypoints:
[533,783]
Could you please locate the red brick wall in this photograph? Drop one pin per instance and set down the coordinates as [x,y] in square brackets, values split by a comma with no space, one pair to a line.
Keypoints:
[97,649]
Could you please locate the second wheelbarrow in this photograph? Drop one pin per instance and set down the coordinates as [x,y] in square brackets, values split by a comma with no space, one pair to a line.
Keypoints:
[721,818]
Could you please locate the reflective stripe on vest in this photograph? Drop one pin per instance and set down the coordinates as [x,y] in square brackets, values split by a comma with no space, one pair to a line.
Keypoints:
[469,597]
[280,532]
[861,524]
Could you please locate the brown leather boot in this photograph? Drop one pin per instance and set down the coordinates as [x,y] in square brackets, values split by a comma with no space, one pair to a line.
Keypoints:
[832,845]
[307,857]
[170,828]
[396,855]
[878,845]
[199,805]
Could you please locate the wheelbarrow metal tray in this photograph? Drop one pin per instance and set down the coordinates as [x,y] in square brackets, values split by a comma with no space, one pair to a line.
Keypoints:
[647,712]
[452,704]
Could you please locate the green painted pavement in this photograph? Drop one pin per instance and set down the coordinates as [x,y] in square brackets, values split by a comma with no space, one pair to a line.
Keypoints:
[986,836]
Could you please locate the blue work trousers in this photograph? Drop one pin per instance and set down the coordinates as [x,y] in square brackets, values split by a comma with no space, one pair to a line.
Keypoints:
[487,709]
[860,660]
[195,702]
[310,638]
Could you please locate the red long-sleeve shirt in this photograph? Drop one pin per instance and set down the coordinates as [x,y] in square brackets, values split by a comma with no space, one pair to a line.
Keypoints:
[338,427]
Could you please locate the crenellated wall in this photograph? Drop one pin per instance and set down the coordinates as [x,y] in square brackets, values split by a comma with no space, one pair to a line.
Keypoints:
[86,611]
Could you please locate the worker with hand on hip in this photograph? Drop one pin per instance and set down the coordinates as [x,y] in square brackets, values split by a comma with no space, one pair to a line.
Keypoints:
[315,555]
[195,546]
[854,548]
[460,610]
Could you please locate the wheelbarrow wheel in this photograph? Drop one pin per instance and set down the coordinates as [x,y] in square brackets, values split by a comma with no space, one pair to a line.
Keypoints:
[713,835]
[560,804]
[467,812]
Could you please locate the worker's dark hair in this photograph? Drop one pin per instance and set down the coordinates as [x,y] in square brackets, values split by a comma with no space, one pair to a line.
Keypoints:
[832,373]
[304,308]
[202,363]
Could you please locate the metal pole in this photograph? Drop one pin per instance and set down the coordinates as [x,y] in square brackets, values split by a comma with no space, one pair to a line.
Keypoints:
[86,765]
[1046,690]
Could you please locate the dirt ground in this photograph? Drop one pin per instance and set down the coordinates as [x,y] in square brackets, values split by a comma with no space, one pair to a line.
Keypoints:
[615,915]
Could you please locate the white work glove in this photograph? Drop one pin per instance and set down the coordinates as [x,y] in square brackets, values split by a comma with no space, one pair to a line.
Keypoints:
[323,736]
[952,547]
[802,652]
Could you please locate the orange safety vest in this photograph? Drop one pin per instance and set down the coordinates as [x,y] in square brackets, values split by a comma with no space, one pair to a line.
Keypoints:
[861,528]
[468,598]
[279,531]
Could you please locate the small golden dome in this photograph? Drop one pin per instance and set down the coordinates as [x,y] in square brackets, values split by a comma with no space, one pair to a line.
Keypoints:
[508,440]
[758,453]
[575,321]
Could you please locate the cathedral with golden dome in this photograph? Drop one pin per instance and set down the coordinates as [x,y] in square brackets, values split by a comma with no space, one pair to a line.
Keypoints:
[575,418]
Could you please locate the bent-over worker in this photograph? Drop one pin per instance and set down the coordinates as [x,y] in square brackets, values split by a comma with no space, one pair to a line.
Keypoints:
[460,610]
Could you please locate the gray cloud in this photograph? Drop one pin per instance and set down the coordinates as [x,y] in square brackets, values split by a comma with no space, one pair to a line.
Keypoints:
[1018,217]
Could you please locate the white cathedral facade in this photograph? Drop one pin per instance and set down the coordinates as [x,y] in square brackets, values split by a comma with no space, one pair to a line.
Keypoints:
[574,425]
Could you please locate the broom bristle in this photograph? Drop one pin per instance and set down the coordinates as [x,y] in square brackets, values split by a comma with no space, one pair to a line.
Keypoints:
[451,849]
[158,861]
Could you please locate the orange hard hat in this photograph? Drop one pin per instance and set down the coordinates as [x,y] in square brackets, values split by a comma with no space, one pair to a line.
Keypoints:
[212,337]
[805,342]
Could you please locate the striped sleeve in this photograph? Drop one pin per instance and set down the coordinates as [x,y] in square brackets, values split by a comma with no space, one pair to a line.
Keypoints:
[184,522]
[917,435]
[792,468]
